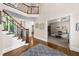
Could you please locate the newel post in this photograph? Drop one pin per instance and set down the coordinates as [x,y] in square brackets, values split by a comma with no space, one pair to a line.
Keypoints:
[27,36]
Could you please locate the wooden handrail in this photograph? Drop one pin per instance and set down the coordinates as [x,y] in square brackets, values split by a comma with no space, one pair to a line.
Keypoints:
[25,4]
[29,6]
[26,38]
[15,20]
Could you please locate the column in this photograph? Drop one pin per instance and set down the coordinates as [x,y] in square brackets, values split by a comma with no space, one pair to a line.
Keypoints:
[8,24]
[0,17]
[15,29]
[2,25]
[3,22]
[27,36]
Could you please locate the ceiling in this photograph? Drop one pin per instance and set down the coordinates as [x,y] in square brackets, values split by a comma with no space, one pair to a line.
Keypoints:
[32,4]
[61,19]
[21,16]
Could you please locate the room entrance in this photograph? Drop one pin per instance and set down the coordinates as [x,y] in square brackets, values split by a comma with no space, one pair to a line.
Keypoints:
[59,30]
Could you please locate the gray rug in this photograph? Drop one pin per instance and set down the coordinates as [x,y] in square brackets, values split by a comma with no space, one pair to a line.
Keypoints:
[42,50]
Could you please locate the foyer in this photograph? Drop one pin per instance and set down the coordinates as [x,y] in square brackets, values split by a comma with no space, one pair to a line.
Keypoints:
[24,29]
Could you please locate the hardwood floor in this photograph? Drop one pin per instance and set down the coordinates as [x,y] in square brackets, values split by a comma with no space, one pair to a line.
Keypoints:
[22,49]
[17,51]
[33,42]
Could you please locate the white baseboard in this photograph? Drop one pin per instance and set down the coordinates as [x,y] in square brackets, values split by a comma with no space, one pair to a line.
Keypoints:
[10,48]
[40,38]
[1,53]
[74,49]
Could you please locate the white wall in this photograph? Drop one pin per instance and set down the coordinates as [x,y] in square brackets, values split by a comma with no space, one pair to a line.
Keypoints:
[1,46]
[28,25]
[41,33]
[74,35]
[53,11]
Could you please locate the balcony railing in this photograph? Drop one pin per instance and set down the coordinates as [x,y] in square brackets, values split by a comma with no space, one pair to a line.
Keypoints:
[24,8]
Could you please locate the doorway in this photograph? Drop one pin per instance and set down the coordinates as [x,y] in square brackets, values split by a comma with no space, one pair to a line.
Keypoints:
[59,30]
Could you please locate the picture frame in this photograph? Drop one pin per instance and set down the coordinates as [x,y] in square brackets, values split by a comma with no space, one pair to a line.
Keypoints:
[77,26]
[42,26]
[36,25]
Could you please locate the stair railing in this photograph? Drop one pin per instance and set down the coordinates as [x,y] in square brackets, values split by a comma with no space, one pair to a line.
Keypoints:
[19,30]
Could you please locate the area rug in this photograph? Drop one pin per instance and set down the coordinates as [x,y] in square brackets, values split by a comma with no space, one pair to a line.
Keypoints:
[42,50]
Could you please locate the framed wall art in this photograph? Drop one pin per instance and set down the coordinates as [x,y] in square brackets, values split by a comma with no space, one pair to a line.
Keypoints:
[77,26]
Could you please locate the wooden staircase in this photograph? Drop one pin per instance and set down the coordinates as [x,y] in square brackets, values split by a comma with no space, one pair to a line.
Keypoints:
[19,31]
[18,37]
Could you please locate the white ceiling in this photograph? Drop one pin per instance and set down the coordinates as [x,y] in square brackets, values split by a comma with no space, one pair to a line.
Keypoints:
[61,19]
